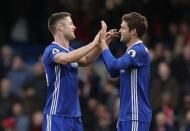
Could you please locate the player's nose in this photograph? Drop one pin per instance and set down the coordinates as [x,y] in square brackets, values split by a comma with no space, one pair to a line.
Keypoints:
[74,27]
[120,31]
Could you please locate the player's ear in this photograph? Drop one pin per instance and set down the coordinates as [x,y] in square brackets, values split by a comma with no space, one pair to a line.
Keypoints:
[59,27]
[133,31]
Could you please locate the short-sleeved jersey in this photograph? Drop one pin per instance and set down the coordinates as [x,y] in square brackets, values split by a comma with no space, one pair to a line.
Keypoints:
[62,95]
[134,71]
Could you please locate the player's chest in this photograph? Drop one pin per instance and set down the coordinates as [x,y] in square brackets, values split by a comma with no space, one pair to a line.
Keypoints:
[72,68]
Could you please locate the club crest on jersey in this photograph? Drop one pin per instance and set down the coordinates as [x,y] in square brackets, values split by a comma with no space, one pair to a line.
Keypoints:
[74,64]
[132,53]
[55,50]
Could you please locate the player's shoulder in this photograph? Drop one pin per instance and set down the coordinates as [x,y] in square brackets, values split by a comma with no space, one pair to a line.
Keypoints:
[52,46]
[138,50]
[52,49]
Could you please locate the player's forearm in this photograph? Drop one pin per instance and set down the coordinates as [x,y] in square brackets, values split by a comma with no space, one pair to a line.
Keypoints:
[95,53]
[92,55]
[79,53]
[106,54]
[114,64]
[75,55]
[108,59]
[104,45]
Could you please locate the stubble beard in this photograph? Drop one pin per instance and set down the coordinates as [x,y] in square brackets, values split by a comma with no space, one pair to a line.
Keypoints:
[70,37]
[125,39]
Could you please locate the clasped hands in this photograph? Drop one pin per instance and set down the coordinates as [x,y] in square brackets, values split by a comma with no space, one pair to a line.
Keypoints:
[103,38]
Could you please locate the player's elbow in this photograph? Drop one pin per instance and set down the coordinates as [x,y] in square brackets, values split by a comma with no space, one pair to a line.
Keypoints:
[85,61]
[88,62]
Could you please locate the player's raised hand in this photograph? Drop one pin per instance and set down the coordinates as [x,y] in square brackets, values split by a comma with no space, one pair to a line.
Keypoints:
[103,32]
[97,39]
[111,34]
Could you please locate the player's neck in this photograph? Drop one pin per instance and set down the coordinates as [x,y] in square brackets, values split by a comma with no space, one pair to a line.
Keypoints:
[132,41]
[62,41]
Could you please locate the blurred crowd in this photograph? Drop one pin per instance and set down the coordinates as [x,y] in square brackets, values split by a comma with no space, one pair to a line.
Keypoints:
[23,84]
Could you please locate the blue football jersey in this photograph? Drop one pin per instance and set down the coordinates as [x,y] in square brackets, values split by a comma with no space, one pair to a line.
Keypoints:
[62,95]
[134,71]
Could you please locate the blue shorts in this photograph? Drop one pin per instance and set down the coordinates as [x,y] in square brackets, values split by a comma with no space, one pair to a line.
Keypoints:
[61,123]
[133,126]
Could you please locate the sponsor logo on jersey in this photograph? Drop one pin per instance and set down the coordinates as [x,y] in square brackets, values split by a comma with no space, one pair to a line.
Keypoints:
[74,64]
[122,71]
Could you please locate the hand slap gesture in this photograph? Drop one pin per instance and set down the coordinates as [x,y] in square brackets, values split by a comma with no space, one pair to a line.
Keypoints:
[103,32]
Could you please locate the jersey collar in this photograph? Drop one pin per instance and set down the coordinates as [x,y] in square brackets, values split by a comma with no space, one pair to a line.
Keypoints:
[60,46]
[138,42]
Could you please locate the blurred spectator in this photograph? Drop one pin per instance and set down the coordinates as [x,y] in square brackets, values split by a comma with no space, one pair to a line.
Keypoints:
[104,119]
[185,106]
[39,83]
[37,121]
[91,82]
[181,63]
[164,83]
[186,83]
[183,38]
[22,121]
[34,90]
[19,75]
[6,98]
[9,124]
[187,121]
[90,118]
[157,57]
[29,98]
[186,101]
[6,56]
[161,123]
[172,35]
[110,94]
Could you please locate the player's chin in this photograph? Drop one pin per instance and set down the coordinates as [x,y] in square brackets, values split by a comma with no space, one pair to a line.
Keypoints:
[121,39]
[73,37]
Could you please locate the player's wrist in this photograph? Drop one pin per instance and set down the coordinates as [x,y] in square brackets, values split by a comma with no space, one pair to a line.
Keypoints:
[95,43]
[104,45]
